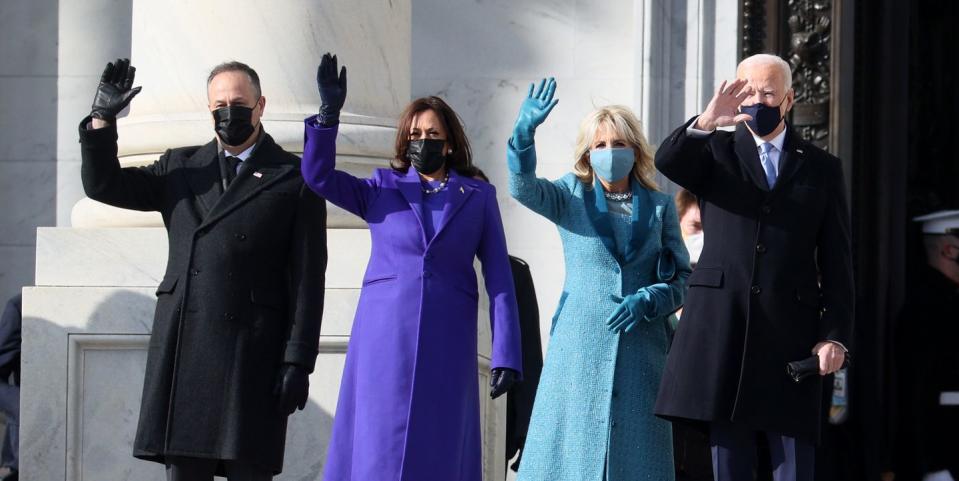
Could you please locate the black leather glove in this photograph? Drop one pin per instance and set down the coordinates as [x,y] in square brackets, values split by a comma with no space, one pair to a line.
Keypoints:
[292,388]
[115,90]
[332,90]
[501,379]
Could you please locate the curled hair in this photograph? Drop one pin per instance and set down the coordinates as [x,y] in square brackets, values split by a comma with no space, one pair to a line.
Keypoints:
[461,157]
[621,120]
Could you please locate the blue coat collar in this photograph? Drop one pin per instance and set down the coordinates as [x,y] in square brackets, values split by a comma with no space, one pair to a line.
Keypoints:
[643,219]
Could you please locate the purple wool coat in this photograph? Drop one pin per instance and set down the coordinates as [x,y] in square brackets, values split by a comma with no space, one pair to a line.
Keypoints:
[408,407]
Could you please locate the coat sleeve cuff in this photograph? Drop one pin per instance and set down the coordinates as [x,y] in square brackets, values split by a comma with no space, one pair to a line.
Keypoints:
[313,125]
[301,354]
[90,135]
[520,161]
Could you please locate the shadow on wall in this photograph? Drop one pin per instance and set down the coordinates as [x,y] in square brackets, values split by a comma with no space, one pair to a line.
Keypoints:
[102,366]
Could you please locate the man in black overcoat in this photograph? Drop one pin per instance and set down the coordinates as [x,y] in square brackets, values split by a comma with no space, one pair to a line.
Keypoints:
[237,321]
[774,281]
[927,360]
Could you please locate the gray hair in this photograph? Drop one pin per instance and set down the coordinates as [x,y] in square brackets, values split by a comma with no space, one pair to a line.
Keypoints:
[768,59]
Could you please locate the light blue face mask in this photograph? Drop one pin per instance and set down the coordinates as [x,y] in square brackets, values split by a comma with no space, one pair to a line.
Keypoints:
[612,164]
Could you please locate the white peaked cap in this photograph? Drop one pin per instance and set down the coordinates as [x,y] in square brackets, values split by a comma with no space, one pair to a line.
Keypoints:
[940,222]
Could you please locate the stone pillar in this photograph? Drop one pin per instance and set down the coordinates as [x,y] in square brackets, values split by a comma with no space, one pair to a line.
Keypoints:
[686,49]
[84,48]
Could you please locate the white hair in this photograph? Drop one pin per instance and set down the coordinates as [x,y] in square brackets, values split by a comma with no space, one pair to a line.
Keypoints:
[768,59]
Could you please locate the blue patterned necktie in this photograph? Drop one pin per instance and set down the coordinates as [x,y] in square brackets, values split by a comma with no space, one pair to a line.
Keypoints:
[768,165]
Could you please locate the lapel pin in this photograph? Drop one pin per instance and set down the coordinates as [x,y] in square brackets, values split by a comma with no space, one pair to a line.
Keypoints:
[461,190]
[258,174]
[799,150]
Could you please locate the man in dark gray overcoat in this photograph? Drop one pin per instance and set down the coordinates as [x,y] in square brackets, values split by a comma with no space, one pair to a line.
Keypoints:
[237,321]
[774,282]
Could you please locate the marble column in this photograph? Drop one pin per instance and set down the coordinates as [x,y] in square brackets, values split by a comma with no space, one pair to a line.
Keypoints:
[84,47]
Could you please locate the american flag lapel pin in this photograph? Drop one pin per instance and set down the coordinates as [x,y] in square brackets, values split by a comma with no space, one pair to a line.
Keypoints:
[258,174]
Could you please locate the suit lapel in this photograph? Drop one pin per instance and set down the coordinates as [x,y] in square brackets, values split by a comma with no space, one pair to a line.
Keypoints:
[791,158]
[598,214]
[203,177]
[644,218]
[748,155]
[456,194]
[247,185]
[411,189]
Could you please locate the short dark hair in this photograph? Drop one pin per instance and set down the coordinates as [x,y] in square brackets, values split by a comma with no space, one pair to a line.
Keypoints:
[234,66]
[460,160]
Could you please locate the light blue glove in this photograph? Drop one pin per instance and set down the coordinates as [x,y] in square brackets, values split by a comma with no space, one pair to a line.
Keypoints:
[630,310]
[533,112]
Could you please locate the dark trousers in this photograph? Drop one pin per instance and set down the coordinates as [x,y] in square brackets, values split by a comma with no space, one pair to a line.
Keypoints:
[198,469]
[734,454]
[10,406]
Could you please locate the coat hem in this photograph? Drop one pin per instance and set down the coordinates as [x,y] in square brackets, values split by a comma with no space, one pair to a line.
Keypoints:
[158,457]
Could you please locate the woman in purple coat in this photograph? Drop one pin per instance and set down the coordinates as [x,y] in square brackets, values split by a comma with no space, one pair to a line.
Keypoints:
[408,408]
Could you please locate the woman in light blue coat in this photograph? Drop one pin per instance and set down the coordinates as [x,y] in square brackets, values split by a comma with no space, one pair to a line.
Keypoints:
[626,268]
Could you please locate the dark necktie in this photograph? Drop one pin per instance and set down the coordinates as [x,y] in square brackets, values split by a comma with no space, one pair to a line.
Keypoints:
[232,165]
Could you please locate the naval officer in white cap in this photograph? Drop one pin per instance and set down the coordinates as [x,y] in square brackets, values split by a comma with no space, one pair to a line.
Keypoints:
[927,359]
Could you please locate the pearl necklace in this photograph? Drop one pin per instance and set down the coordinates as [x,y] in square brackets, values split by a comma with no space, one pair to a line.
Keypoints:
[619,196]
[438,187]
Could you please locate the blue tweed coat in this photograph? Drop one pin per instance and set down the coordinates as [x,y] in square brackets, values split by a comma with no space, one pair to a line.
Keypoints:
[593,412]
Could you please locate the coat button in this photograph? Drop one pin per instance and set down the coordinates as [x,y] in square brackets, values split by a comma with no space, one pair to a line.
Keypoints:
[766,209]
[241,237]
[615,393]
[756,289]
[196,272]
[760,248]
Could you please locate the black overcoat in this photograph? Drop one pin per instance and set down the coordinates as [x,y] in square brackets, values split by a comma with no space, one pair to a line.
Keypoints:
[242,293]
[774,279]
[519,400]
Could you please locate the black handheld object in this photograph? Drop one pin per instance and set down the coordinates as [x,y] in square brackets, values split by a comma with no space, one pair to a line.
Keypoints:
[799,370]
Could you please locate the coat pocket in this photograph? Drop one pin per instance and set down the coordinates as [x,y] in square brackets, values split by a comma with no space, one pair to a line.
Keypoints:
[167,285]
[706,277]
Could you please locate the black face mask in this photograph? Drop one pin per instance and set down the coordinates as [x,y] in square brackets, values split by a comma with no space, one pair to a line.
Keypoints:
[426,155]
[233,124]
[765,118]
